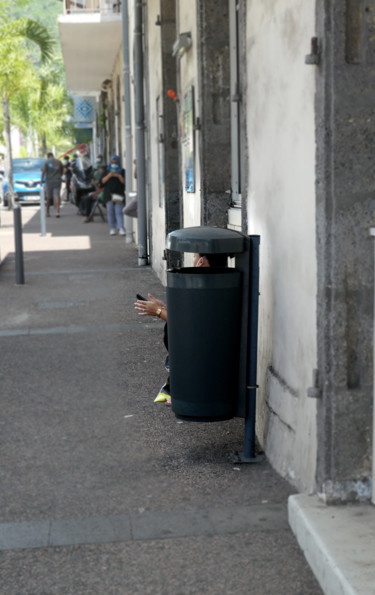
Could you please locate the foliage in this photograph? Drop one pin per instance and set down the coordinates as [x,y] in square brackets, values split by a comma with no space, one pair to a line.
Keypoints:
[44,108]
[43,11]
[17,71]
[46,13]
[33,83]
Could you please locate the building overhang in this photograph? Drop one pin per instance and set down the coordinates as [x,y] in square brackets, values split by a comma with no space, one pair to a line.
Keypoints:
[90,44]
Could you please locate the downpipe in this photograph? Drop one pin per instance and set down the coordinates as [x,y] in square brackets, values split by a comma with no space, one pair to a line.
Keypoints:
[140,134]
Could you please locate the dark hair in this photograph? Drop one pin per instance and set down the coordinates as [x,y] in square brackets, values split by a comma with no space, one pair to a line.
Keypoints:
[49,154]
[216,260]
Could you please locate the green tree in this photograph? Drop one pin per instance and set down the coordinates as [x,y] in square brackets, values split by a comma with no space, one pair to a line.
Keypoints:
[16,65]
[43,111]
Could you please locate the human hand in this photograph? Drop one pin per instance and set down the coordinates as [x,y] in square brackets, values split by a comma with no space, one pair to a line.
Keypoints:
[145,308]
[149,307]
[159,303]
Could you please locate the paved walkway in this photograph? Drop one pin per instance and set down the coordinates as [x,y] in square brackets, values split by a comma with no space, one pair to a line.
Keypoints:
[102,491]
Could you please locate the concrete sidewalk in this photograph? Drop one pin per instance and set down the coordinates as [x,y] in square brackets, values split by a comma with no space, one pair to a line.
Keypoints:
[103,491]
[338,542]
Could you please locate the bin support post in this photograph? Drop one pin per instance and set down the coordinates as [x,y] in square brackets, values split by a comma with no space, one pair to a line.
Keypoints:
[251,388]
[248,455]
[20,276]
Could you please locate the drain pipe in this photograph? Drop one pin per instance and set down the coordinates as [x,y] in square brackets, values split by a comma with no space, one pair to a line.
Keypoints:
[372,233]
[128,124]
[140,134]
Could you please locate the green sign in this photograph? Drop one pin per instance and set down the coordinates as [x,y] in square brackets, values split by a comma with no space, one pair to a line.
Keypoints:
[83,135]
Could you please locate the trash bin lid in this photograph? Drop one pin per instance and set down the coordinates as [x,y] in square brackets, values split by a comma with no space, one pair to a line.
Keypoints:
[206,240]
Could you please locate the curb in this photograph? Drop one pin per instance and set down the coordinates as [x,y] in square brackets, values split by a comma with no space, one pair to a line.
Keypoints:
[338,543]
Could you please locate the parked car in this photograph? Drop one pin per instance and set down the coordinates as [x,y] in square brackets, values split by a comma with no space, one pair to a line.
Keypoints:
[26,180]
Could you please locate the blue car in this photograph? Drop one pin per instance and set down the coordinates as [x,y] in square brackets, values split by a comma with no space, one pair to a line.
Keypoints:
[26,180]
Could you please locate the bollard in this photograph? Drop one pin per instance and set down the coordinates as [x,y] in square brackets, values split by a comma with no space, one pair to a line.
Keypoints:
[20,277]
[42,211]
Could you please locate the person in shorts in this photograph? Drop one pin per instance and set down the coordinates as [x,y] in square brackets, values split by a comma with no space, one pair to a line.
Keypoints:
[52,172]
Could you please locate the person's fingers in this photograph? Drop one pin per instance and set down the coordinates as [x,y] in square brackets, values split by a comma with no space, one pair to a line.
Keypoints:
[142,307]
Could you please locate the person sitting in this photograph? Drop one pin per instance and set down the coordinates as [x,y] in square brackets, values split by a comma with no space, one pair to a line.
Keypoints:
[89,199]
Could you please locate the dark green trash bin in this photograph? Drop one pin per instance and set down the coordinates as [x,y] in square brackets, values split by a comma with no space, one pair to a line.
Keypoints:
[204,324]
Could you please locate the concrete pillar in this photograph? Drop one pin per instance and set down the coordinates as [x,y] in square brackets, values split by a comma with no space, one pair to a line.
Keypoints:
[345,121]
[214,102]
[173,217]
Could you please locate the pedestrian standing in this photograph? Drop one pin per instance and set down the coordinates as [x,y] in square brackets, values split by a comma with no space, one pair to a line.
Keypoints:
[113,184]
[52,172]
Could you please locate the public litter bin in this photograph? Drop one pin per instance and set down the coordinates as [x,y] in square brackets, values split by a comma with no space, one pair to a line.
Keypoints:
[204,327]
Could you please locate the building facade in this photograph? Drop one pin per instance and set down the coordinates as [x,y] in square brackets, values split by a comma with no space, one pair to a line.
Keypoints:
[259,117]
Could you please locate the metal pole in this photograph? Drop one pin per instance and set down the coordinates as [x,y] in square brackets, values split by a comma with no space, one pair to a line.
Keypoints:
[249,442]
[248,263]
[372,233]
[42,211]
[140,135]
[128,124]
[20,276]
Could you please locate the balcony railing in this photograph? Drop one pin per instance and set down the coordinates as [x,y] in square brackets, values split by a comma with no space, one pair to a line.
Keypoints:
[76,6]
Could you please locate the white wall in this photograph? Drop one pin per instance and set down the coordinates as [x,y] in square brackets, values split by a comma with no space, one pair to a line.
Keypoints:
[281,208]
[155,91]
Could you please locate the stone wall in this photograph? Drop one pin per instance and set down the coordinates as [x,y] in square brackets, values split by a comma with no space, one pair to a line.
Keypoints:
[345,211]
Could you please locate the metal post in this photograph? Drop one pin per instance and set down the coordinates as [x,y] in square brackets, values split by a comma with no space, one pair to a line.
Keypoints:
[42,211]
[140,134]
[251,301]
[249,442]
[372,233]
[20,277]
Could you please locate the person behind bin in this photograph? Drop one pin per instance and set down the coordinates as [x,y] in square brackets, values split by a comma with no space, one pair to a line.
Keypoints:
[155,307]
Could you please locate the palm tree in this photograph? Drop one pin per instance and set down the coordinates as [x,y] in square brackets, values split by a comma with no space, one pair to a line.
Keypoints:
[42,111]
[15,64]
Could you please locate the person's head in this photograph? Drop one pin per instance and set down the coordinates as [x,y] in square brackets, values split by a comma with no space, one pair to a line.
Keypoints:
[49,155]
[115,163]
[210,260]
[66,159]
[99,159]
